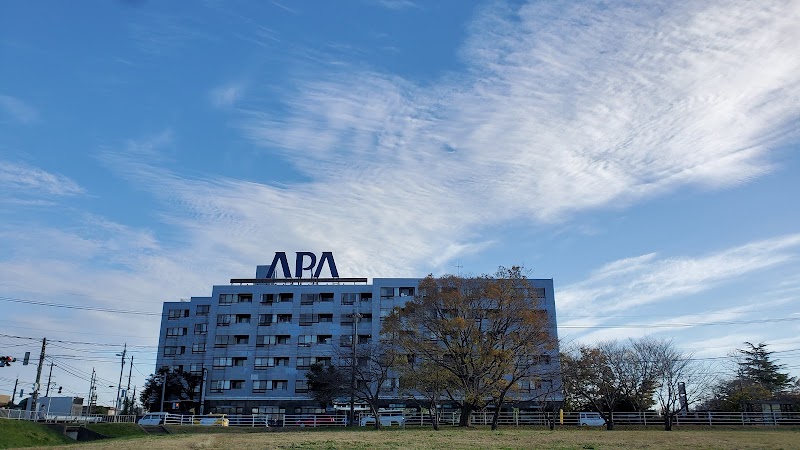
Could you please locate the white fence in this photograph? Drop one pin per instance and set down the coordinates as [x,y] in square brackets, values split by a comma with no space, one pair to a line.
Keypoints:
[20,414]
[649,418]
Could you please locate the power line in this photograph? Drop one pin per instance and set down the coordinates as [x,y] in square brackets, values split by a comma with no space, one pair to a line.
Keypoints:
[80,307]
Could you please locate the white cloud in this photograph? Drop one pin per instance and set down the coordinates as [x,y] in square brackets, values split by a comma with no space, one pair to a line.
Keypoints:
[24,179]
[18,110]
[634,282]
[227,95]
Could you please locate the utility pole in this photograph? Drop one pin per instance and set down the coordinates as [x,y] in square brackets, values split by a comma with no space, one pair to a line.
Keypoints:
[121,369]
[128,389]
[49,377]
[92,396]
[163,387]
[14,394]
[35,396]
[356,317]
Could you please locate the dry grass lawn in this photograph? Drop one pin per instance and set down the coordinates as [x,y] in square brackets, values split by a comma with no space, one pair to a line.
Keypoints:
[453,439]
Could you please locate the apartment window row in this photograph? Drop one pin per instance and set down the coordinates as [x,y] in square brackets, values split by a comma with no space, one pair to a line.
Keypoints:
[307,362]
[201,328]
[311,298]
[229,299]
[306,340]
[223,340]
[224,320]
[224,385]
[347,319]
[271,361]
[176,331]
[284,297]
[535,385]
[203,310]
[351,298]
[177,313]
[309,319]
[218,363]
[173,350]
[391,292]
[347,341]
[270,385]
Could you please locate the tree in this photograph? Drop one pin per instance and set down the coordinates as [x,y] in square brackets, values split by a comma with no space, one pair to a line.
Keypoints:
[326,383]
[756,366]
[596,375]
[484,332]
[424,379]
[680,381]
[373,368]
[180,385]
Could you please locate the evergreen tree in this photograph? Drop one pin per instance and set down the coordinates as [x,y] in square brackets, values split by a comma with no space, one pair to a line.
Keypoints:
[757,368]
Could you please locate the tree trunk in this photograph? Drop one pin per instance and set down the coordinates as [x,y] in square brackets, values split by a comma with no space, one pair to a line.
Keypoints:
[434,413]
[495,418]
[609,423]
[466,412]
[667,422]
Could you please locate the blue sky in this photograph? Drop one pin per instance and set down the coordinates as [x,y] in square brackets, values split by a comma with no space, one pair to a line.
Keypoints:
[642,156]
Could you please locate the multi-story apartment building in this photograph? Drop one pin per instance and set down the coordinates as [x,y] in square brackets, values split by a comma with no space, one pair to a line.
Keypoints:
[253,340]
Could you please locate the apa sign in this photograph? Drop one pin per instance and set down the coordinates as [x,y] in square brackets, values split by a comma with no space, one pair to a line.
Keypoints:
[303,261]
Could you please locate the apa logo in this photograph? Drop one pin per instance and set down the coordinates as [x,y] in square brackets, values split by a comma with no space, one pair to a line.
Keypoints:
[300,264]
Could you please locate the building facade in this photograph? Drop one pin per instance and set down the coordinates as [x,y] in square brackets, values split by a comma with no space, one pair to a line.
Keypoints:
[254,340]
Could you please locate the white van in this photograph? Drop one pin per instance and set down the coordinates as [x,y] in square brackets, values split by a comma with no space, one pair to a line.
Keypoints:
[156,418]
[388,417]
[591,419]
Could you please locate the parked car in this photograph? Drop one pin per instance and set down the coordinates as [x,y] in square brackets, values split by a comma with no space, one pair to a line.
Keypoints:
[591,419]
[156,418]
[387,417]
[220,420]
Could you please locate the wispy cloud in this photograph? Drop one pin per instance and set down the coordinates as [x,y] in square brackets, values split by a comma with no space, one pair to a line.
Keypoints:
[22,179]
[633,282]
[397,4]
[18,110]
[227,95]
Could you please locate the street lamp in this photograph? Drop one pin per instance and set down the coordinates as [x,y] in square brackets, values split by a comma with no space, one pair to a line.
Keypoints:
[356,317]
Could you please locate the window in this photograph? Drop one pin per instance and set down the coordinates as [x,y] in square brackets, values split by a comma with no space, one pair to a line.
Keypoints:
[366,296]
[282,339]
[177,313]
[385,312]
[223,320]
[286,297]
[323,318]
[545,359]
[524,385]
[265,362]
[267,299]
[242,318]
[244,298]
[260,385]
[201,328]
[264,320]
[220,385]
[326,297]
[304,362]
[280,385]
[176,331]
[308,299]
[242,339]
[349,299]
[345,341]
[304,340]
[389,383]
[227,299]
[544,384]
[366,318]
[174,350]
[284,318]
[324,339]
[240,361]
[222,340]
[406,292]
[387,292]
[262,340]
[323,361]
[196,368]
[237,384]
[538,292]
[199,347]
[222,362]
[306,319]
[364,339]
[202,310]
[301,386]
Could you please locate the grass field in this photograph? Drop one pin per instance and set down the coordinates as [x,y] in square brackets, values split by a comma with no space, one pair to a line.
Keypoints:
[19,433]
[453,439]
